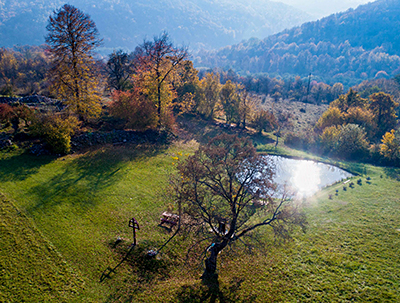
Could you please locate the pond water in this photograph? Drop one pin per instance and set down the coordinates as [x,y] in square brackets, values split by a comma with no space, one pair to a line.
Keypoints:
[304,176]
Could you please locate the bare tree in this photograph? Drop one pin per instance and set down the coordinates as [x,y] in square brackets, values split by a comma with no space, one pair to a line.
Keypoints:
[161,58]
[72,37]
[119,68]
[226,192]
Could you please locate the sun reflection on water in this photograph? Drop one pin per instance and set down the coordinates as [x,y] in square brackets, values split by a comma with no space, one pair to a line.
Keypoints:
[305,177]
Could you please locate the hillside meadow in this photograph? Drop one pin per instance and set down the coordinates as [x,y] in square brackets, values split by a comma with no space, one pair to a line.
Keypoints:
[60,218]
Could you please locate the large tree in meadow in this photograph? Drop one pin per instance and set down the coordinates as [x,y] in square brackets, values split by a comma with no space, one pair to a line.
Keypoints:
[72,37]
[159,59]
[225,190]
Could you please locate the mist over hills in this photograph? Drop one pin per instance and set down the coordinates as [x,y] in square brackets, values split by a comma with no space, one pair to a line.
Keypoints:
[322,8]
[124,24]
[346,47]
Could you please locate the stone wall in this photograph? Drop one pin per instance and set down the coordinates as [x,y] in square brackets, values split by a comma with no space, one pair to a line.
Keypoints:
[32,101]
[118,137]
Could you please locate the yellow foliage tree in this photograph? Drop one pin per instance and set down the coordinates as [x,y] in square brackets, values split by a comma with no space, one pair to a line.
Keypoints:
[329,138]
[209,95]
[72,37]
[332,116]
[160,59]
[390,147]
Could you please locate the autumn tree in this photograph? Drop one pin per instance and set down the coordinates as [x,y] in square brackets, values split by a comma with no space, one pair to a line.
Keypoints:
[351,142]
[56,130]
[72,37]
[15,114]
[226,192]
[351,99]
[134,108]
[332,116]
[230,101]
[247,106]
[209,95]
[383,107]
[390,147]
[186,84]
[160,59]
[265,121]
[329,138]
[6,114]
[119,68]
[8,72]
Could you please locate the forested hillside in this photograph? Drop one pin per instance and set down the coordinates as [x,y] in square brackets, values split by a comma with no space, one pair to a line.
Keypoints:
[346,47]
[124,23]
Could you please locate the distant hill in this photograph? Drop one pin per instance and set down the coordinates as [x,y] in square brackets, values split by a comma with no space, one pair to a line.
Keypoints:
[351,46]
[124,23]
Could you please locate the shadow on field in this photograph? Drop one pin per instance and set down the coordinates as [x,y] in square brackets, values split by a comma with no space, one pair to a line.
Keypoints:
[392,172]
[146,270]
[85,176]
[210,290]
[202,131]
[355,168]
[20,167]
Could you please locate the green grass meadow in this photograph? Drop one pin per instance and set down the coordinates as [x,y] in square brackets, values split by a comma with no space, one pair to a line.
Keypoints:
[60,217]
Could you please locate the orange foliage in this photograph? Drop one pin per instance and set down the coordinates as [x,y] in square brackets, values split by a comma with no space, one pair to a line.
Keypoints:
[135,108]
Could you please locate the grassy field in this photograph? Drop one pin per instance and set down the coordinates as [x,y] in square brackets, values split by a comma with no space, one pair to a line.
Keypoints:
[60,218]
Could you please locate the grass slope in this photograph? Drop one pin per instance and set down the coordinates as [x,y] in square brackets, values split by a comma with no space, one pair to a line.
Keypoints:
[31,270]
[82,203]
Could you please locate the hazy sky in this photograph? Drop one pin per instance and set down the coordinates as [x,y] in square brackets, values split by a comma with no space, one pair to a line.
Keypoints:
[321,8]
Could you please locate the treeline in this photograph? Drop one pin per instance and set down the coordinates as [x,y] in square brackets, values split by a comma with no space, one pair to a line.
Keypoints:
[304,89]
[370,25]
[145,89]
[355,128]
[23,71]
[327,62]
[293,88]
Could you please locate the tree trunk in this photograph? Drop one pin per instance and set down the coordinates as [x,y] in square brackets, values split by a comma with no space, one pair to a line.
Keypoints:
[159,104]
[211,261]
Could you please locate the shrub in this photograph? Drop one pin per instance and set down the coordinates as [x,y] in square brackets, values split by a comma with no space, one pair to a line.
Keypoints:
[333,116]
[135,109]
[345,141]
[6,113]
[56,130]
[352,142]
[390,147]
[303,140]
[264,120]
[329,138]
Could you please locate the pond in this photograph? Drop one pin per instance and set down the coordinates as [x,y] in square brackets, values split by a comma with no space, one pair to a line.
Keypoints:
[304,176]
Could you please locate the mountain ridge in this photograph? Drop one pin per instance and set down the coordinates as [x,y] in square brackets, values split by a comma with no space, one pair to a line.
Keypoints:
[357,44]
[124,24]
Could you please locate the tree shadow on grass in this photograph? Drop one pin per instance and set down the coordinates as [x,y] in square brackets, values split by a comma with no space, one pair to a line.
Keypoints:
[210,290]
[83,178]
[146,270]
[19,167]
[392,172]
[204,130]
[357,168]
